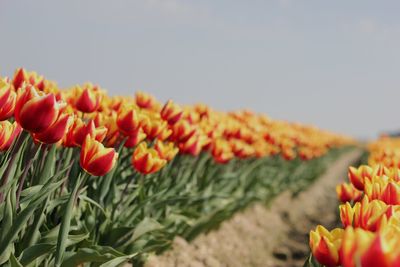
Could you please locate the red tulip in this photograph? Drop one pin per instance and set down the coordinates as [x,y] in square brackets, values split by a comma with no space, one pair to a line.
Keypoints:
[95,159]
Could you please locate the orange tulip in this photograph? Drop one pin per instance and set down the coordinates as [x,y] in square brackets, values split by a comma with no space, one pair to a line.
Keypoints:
[95,159]
[56,131]
[7,100]
[171,112]
[325,245]
[147,160]
[166,151]
[8,133]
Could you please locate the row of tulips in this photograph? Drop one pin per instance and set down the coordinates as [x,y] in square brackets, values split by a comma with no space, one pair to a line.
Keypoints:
[370,214]
[86,178]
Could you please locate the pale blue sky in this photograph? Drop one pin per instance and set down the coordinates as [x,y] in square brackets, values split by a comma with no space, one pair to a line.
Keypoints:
[334,64]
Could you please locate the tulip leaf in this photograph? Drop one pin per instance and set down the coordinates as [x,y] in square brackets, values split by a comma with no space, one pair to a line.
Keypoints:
[117,261]
[35,251]
[98,254]
[49,165]
[22,218]
[14,262]
[147,225]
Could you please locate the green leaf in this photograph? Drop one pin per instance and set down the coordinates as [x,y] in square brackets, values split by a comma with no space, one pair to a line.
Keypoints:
[22,218]
[93,254]
[66,222]
[49,166]
[14,262]
[147,225]
[117,261]
[35,251]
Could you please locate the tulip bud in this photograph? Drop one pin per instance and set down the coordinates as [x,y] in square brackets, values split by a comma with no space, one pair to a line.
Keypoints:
[153,126]
[134,139]
[7,100]
[95,159]
[346,192]
[325,245]
[20,76]
[128,122]
[357,176]
[144,100]
[182,131]
[8,133]
[35,113]
[89,100]
[146,160]
[79,130]
[171,112]
[56,131]
[221,151]
[166,151]
[194,145]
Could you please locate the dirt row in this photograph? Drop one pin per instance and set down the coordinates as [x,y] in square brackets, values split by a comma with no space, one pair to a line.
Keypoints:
[260,236]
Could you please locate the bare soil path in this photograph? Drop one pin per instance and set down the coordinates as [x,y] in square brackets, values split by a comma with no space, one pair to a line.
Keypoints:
[260,236]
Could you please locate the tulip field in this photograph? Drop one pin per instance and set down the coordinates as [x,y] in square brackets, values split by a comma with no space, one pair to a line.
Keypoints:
[89,179]
[370,214]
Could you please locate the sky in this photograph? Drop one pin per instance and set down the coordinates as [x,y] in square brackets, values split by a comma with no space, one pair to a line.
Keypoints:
[333,64]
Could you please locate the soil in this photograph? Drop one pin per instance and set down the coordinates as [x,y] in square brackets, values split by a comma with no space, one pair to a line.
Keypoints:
[261,236]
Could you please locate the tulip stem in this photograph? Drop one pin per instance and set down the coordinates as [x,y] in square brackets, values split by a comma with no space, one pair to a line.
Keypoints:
[25,173]
[66,218]
[14,152]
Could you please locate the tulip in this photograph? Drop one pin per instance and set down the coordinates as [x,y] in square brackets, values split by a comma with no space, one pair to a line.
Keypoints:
[89,100]
[129,121]
[358,176]
[242,149]
[384,189]
[153,126]
[288,154]
[56,131]
[369,215]
[95,159]
[7,100]
[134,139]
[20,76]
[147,160]
[79,130]
[325,245]
[144,100]
[182,131]
[8,133]
[35,113]
[347,192]
[368,249]
[221,151]
[194,145]
[171,112]
[166,151]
